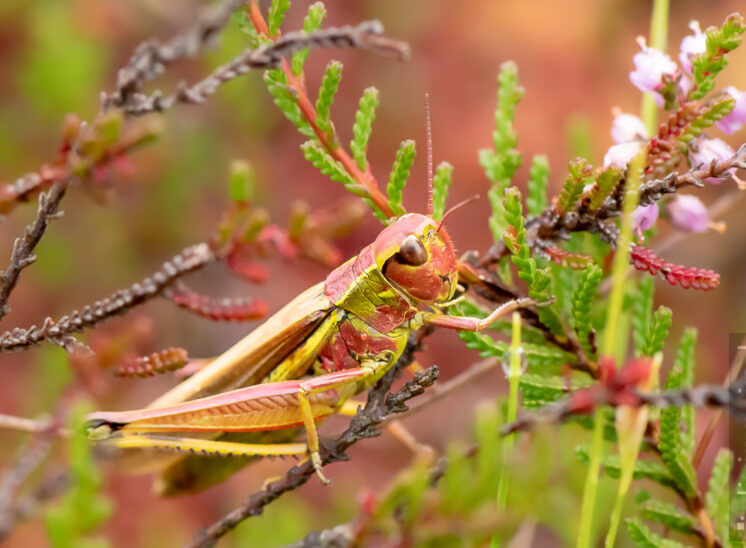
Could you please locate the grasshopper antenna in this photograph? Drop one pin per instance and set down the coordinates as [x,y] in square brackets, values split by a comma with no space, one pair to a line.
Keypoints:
[454,208]
[429,132]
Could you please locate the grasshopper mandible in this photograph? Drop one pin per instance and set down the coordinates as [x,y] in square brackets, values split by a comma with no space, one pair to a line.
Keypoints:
[330,343]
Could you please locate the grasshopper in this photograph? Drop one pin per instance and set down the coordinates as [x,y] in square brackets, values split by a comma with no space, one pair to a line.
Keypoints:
[346,332]
[330,343]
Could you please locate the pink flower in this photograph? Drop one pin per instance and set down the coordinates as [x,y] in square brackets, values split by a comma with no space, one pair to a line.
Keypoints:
[620,155]
[645,217]
[650,67]
[688,213]
[703,151]
[685,84]
[736,117]
[626,128]
[692,46]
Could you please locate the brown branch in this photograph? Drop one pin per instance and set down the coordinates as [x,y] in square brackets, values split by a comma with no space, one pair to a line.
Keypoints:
[23,188]
[551,227]
[444,389]
[730,399]
[380,404]
[151,57]
[366,35]
[717,209]
[147,62]
[27,506]
[26,463]
[734,373]
[23,248]
[118,303]
[23,424]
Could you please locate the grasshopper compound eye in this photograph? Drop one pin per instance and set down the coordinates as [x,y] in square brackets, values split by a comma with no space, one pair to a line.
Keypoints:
[412,251]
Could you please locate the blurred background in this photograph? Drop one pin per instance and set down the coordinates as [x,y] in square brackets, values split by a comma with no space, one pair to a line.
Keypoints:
[574,58]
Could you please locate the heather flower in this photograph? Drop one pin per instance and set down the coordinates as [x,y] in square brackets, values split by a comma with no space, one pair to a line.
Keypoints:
[737,117]
[704,151]
[626,128]
[692,46]
[685,84]
[688,214]
[620,155]
[645,217]
[651,65]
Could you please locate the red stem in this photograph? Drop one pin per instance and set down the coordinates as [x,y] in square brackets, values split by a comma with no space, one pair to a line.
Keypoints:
[309,113]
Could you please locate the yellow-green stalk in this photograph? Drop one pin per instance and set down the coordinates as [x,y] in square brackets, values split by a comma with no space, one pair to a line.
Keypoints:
[514,373]
[631,423]
[658,36]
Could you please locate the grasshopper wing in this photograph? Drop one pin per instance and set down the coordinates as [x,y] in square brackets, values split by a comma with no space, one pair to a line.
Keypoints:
[296,333]
[255,356]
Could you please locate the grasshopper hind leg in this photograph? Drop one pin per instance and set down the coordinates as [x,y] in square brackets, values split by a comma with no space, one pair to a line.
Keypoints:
[195,473]
[202,447]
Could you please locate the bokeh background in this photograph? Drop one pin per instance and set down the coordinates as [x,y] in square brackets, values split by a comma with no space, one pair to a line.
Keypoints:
[574,58]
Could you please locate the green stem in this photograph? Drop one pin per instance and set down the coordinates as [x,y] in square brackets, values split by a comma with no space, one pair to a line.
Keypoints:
[591,481]
[658,36]
[516,353]
[658,39]
[628,453]
[611,337]
[621,258]
[616,516]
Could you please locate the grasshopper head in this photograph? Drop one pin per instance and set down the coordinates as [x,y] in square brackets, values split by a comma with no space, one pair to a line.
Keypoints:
[418,258]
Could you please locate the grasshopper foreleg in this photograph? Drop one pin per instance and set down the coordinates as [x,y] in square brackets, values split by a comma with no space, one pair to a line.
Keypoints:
[464,323]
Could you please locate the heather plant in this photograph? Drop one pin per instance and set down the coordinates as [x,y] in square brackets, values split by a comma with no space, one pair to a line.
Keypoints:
[584,362]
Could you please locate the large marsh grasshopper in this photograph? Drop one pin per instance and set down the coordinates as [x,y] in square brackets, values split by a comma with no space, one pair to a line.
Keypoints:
[330,343]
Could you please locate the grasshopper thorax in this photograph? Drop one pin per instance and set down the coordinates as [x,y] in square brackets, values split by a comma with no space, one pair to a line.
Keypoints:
[416,255]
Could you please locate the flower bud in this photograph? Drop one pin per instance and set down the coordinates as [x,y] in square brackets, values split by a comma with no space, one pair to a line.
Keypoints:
[704,151]
[692,46]
[687,213]
[620,155]
[650,67]
[626,128]
[645,217]
[736,117]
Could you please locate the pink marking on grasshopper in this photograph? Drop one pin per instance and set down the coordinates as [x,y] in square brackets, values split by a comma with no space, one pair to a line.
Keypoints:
[253,403]
[431,282]
[336,355]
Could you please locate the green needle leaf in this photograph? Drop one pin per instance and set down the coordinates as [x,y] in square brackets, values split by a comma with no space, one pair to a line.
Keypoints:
[361,130]
[442,180]
[399,175]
